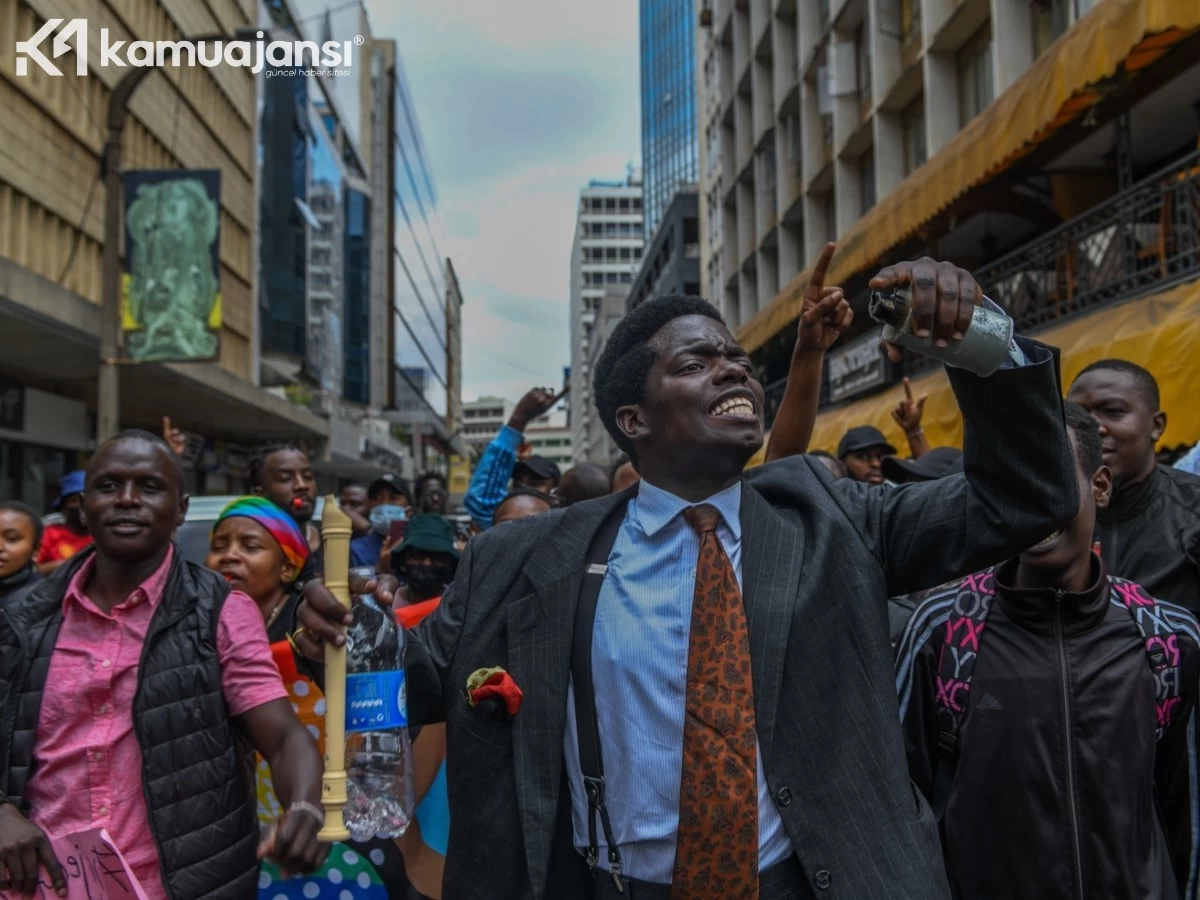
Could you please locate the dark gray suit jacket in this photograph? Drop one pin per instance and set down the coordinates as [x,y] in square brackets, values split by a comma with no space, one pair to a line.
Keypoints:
[819,560]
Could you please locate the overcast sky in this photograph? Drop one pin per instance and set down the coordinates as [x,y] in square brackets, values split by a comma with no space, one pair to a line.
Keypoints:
[520,102]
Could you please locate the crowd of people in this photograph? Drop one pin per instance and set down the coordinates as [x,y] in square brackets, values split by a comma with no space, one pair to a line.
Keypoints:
[704,698]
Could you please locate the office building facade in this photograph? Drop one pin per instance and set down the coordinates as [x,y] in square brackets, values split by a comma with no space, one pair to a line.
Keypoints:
[482,420]
[668,86]
[671,260]
[1044,146]
[52,240]
[604,257]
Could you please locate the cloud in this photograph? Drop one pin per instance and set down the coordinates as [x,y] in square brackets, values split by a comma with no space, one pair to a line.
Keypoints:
[520,104]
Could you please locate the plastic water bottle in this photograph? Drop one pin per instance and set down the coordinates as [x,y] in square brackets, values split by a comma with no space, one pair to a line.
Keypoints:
[379,767]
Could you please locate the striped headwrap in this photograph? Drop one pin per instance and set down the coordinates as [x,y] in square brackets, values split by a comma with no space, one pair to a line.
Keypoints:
[276,521]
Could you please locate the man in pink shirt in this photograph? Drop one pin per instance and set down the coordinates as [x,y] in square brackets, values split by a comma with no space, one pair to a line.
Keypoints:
[128,682]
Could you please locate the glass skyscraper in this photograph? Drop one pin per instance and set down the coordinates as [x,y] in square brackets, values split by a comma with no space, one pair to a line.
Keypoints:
[418,267]
[668,64]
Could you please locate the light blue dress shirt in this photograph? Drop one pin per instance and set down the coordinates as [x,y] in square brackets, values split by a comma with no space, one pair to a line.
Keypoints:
[639,669]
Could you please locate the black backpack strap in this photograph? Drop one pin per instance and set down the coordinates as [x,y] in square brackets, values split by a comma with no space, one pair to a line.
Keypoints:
[1161,643]
[591,763]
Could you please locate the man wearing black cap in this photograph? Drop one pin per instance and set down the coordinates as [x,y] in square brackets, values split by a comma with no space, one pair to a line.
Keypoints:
[388,500]
[937,463]
[536,473]
[862,451]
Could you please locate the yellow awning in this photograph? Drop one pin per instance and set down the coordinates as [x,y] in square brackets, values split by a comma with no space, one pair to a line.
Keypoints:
[1159,333]
[1127,34]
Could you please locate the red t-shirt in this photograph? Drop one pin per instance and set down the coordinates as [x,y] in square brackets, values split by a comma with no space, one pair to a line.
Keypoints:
[59,542]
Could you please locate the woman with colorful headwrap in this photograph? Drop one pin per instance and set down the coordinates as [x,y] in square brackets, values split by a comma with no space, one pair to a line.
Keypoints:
[260,550]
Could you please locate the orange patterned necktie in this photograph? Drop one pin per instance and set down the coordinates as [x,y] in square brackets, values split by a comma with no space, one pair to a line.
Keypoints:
[717,850]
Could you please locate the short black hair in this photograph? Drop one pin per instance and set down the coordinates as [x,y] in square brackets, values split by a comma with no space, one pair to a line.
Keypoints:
[28,512]
[432,476]
[140,434]
[1087,437]
[1146,383]
[258,461]
[624,366]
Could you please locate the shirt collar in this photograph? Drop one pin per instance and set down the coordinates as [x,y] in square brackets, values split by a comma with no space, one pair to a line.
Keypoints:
[655,508]
[149,591]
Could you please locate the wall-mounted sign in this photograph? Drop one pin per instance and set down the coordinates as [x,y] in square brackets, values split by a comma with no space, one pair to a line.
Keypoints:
[857,367]
[171,295]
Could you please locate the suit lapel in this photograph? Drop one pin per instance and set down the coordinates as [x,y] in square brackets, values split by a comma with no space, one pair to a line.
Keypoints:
[540,628]
[772,557]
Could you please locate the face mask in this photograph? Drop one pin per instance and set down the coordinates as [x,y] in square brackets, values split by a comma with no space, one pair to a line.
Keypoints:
[427,582]
[384,515]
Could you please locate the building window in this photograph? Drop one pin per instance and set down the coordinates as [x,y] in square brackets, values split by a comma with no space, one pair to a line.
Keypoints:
[610,204]
[975,76]
[626,278]
[910,29]
[862,62]
[625,253]
[1050,19]
[611,277]
[597,204]
[623,206]
[912,126]
[637,252]
[637,202]
[610,253]
[866,180]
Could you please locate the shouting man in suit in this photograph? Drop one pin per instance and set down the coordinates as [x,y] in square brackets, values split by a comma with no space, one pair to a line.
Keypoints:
[740,738]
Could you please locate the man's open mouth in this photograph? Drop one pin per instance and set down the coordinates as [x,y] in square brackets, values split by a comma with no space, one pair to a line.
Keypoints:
[740,407]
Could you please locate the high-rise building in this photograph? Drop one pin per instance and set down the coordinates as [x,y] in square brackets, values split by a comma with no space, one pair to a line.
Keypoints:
[454,367]
[601,449]
[668,68]
[604,257]
[550,436]
[414,371]
[482,420]
[901,128]
[671,260]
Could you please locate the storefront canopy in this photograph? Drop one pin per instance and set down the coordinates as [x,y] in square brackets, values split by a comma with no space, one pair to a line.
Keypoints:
[1117,35]
[1159,333]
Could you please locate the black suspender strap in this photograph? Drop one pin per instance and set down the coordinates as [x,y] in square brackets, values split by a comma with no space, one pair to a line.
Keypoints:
[587,728]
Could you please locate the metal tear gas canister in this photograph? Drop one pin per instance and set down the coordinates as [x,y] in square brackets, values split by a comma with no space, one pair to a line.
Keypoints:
[986,346]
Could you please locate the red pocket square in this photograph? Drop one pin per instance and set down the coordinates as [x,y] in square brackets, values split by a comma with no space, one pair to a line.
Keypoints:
[495,682]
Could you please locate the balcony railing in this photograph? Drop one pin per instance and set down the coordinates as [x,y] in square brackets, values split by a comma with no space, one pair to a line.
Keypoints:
[1143,239]
[1140,241]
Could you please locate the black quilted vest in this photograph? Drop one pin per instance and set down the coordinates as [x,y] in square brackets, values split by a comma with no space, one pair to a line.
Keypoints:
[195,775]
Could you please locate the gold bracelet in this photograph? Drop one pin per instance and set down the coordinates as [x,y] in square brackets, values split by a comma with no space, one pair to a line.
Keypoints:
[291,639]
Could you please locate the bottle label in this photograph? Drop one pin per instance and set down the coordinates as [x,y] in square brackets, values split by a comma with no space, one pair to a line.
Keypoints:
[376,701]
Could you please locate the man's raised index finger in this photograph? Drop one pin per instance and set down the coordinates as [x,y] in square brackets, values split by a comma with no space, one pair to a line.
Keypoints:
[817,282]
